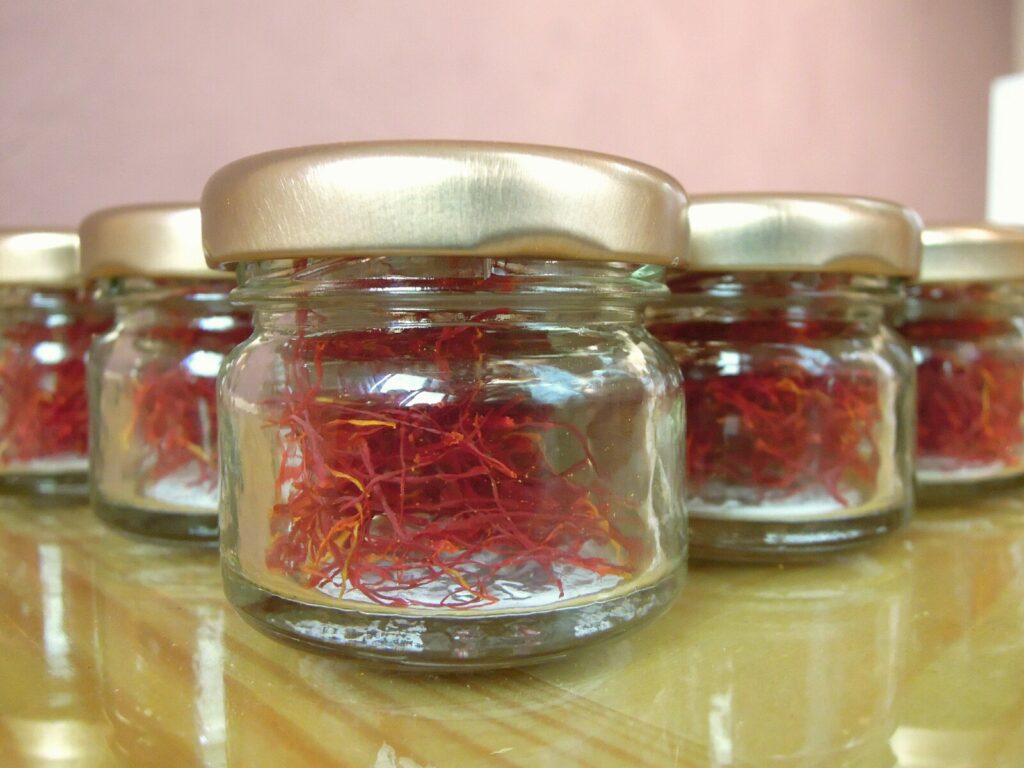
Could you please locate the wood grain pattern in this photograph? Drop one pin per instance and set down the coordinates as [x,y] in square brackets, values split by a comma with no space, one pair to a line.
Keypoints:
[118,652]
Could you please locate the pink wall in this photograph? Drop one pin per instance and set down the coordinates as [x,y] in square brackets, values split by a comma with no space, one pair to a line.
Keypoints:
[113,101]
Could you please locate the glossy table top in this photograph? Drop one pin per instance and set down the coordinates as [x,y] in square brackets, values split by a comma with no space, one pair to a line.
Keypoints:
[911,654]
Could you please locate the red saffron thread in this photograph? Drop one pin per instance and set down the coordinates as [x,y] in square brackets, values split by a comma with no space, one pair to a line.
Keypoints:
[781,427]
[383,495]
[44,406]
[174,410]
[970,397]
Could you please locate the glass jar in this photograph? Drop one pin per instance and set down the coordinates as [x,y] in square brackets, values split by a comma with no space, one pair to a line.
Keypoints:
[452,459]
[153,377]
[798,395]
[47,322]
[964,317]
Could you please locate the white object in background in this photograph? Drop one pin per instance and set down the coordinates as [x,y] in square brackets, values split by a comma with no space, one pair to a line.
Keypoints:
[1006,150]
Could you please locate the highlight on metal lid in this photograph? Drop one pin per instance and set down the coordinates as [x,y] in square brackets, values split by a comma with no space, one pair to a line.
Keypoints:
[802,233]
[152,240]
[957,253]
[442,198]
[39,257]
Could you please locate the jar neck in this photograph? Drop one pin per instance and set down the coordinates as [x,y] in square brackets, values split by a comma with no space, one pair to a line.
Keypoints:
[789,297]
[181,298]
[51,307]
[370,291]
[366,315]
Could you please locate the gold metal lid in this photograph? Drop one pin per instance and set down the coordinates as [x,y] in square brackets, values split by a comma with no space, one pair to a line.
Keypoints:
[38,257]
[156,240]
[802,233]
[972,253]
[442,198]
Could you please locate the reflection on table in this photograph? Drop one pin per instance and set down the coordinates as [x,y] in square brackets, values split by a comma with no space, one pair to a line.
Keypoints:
[115,651]
[49,702]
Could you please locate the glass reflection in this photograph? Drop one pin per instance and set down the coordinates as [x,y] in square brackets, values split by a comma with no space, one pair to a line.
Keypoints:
[755,666]
[49,713]
[114,652]
[962,702]
[162,680]
[350,713]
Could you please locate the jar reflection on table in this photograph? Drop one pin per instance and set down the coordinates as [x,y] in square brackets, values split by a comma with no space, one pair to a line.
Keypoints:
[835,637]
[49,692]
[798,667]
[966,640]
[507,717]
[161,681]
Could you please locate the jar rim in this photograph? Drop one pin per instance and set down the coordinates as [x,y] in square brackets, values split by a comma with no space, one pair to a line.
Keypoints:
[421,198]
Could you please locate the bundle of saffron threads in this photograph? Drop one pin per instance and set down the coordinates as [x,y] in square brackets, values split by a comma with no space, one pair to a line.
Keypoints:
[780,428]
[43,403]
[970,398]
[457,500]
[174,408]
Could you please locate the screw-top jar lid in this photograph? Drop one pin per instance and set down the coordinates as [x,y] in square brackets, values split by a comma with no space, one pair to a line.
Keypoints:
[972,253]
[442,198]
[155,240]
[802,233]
[38,257]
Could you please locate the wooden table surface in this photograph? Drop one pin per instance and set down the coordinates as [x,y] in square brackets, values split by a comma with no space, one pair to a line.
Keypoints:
[119,652]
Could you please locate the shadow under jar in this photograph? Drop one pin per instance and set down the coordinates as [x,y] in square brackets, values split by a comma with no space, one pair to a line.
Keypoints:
[153,377]
[964,317]
[47,322]
[447,461]
[798,395]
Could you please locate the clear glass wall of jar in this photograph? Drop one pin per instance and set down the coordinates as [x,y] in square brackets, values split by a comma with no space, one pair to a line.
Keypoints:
[798,395]
[442,461]
[964,317]
[47,322]
[155,426]
[153,377]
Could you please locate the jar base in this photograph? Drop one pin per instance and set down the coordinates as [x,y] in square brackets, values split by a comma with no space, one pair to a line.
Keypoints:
[757,541]
[59,488]
[164,526]
[445,644]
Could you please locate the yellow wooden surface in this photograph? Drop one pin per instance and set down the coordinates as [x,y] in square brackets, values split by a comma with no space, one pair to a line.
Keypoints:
[117,652]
